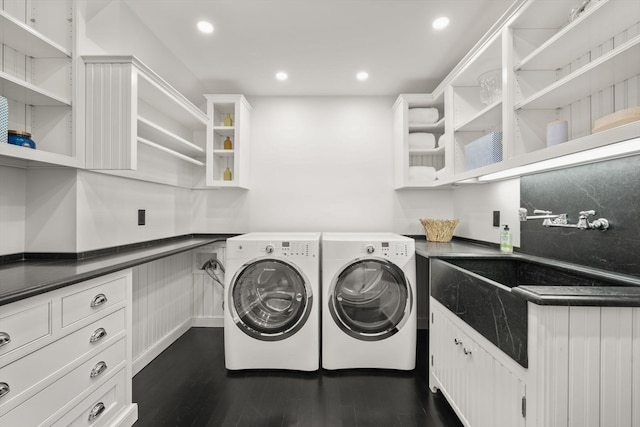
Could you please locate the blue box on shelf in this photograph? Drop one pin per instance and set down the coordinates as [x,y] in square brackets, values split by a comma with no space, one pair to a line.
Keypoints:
[483,151]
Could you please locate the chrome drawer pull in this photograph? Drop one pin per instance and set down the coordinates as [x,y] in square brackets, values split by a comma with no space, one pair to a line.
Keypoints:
[96,411]
[457,341]
[98,369]
[466,351]
[4,389]
[98,334]
[98,300]
[4,338]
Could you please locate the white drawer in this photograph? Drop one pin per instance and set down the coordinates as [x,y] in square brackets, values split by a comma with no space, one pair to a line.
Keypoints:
[32,369]
[110,396]
[42,405]
[107,291]
[22,325]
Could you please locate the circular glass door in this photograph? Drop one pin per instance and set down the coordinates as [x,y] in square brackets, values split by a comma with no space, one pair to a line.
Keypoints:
[269,299]
[370,299]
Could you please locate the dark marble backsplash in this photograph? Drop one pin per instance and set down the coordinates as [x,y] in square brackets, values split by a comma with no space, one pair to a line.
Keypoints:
[612,189]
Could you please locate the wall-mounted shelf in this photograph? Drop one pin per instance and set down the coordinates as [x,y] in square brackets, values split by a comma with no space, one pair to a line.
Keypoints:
[237,158]
[37,79]
[553,68]
[406,156]
[151,112]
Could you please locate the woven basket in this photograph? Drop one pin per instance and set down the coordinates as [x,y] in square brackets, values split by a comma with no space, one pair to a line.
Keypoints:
[439,230]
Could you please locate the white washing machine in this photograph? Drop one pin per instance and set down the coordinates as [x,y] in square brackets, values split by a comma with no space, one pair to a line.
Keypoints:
[369,301]
[271,295]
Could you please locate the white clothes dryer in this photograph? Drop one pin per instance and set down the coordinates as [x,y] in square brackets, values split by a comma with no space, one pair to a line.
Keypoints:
[271,295]
[369,307]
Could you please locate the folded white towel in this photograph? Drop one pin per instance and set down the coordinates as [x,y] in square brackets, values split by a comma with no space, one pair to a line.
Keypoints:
[423,115]
[422,140]
[442,173]
[422,173]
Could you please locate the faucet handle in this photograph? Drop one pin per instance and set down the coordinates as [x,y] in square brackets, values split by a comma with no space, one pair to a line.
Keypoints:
[587,213]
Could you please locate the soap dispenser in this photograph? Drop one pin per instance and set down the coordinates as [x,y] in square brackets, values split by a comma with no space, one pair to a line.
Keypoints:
[506,247]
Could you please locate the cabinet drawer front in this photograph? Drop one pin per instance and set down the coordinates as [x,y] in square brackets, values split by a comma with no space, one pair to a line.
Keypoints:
[49,400]
[82,304]
[30,370]
[110,396]
[23,326]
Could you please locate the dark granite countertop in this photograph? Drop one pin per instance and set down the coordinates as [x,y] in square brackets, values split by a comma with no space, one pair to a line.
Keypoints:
[625,293]
[30,277]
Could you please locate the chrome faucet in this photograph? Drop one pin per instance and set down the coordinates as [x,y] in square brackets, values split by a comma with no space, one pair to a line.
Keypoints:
[547,216]
[560,220]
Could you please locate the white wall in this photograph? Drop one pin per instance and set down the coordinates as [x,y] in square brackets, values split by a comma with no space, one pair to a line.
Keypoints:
[319,164]
[13,190]
[474,205]
[108,211]
[50,210]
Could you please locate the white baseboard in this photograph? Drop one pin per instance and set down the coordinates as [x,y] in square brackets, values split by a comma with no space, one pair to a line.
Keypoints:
[145,358]
[207,322]
[127,417]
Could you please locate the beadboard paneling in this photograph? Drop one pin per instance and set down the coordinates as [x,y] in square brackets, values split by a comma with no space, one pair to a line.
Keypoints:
[162,305]
[207,294]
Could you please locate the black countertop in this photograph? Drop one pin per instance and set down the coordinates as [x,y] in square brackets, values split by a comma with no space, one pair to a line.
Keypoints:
[30,277]
[625,293]
[26,278]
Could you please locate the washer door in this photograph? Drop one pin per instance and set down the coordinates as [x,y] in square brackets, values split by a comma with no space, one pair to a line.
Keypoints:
[370,299]
[270,299]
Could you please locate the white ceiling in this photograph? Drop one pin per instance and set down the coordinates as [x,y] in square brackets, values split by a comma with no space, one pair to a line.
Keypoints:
[321,44]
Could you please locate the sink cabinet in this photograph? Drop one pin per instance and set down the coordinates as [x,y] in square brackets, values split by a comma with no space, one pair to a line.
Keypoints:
[584,369]
[482,390]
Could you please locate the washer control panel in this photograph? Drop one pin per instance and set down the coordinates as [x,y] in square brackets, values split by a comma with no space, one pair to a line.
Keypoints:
[289,249]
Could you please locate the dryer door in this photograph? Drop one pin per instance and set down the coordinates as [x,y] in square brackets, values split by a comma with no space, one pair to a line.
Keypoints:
[270,299]
[370,299]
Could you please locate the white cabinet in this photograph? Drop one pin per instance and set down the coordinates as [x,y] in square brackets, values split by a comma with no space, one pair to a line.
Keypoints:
[36,76]
[417,140]
[549,69]
[137,121]
[66,353]
[481,389]
[227,164]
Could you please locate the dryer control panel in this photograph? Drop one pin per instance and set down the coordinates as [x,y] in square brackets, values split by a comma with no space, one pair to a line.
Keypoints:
[385,249]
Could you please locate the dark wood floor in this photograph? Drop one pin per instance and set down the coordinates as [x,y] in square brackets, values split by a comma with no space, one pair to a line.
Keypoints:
[188,385]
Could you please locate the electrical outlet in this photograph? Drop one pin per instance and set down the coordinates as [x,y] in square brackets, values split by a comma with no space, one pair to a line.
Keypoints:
[142,214]
[496,218]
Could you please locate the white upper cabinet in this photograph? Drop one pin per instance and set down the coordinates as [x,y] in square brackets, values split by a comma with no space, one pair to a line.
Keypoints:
[36,77]
[549,68]
[135,120]
[228,141]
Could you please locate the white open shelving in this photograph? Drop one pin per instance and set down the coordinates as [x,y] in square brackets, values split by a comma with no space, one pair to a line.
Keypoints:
[553,68]
[36,78]
[151,113]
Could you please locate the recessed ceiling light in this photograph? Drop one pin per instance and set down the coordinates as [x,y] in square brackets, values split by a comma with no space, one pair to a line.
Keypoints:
[205,27]
[440,23]
[282,76]
[362,75]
